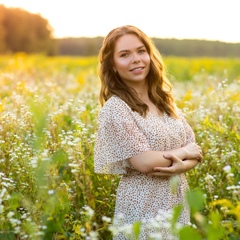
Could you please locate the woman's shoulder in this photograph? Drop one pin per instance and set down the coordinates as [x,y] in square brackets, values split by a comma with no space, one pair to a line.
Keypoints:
[114,106]
[179,112]
[115,103]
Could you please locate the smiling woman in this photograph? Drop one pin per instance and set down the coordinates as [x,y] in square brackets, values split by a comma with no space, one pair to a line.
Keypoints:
[131,61]
[142,135]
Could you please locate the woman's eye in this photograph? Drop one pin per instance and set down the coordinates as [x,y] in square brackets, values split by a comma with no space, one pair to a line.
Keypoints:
[142,51]
[124,55]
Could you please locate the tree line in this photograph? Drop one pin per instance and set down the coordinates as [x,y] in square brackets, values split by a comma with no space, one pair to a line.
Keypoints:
[21,31]
[168,47]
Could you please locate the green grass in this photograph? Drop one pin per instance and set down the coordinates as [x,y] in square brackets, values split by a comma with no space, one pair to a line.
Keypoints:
[48,122]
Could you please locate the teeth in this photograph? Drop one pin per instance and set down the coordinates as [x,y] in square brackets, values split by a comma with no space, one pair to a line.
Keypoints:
[137,68]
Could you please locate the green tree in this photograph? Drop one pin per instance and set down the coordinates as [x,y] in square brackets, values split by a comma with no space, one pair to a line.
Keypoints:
[2,30]
[26,32]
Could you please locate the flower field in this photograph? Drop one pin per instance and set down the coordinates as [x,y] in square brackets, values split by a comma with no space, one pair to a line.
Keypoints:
[48,121]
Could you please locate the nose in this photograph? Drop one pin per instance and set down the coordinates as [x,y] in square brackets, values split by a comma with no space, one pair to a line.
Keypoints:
[135,58]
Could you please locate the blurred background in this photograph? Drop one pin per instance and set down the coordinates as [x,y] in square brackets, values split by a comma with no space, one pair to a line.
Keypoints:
[179,28]
[49,109]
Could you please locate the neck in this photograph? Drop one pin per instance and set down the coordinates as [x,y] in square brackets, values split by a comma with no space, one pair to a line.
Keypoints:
[141,90]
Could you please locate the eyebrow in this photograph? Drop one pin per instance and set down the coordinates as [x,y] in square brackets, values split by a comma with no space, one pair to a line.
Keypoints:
[142,46]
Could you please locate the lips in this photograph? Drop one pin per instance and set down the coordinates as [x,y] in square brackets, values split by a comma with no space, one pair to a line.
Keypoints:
[136,69]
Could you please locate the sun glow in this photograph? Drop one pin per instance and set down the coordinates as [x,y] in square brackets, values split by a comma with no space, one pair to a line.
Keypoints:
[210,20]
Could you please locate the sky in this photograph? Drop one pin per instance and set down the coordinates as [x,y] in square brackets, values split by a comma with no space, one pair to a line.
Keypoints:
[182,19]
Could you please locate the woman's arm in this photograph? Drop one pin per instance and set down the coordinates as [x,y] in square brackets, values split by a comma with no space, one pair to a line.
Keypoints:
[147,161]
[178,166]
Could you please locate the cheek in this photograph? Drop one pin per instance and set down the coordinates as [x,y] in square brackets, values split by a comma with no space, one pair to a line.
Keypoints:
[147,59]
[121,65]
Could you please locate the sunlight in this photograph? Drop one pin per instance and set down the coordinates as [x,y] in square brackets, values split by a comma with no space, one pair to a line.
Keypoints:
[210,20]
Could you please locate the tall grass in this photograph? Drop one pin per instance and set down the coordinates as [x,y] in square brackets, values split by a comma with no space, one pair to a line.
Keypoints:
[48,122]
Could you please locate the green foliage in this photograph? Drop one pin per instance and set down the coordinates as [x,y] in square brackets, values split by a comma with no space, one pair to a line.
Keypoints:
[195,199]
[168,47]
[137,229]
[189,233]
[207,70]
[196,48]
[21,31]
[48,122]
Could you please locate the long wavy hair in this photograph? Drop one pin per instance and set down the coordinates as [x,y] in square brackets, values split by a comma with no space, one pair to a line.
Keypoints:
[159,88]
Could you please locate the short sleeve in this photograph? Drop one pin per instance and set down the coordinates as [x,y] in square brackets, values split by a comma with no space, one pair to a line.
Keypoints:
[118,138]
[190,137]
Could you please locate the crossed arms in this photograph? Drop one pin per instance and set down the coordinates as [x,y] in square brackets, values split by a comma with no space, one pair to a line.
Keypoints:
[168,163]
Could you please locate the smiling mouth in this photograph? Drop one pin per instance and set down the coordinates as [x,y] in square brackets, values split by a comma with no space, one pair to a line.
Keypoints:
[137,69]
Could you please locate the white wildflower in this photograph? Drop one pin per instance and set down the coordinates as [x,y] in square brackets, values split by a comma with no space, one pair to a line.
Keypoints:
[156,236]
[10,214]
[113,229]
[24,216]
[227,169]
[74,165]
[50,192]
[17,229]
[126,229]
[106,219]
[4,190]
[93,235]
[209,177]
[89,211]
[1,209]
[45,153]
[34,162]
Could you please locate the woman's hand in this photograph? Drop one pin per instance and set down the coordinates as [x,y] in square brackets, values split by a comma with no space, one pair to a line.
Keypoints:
[178,166]
[146,161]
[193,151]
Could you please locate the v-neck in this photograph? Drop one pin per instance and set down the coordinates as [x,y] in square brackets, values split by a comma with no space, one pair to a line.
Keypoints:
[155,116]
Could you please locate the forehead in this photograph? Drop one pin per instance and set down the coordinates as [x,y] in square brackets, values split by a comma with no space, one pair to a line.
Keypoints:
[128,42]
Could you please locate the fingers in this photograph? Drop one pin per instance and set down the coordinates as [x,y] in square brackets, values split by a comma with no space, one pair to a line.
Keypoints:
[161,174]
[171,157]
[199,149]
[195,152]
[201,154]
[164,169]
[200,158]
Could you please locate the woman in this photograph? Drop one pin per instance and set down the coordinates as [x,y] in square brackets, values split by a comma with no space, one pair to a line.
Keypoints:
[142,134]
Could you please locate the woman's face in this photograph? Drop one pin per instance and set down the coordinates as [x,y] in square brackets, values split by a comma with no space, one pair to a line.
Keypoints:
[131,60]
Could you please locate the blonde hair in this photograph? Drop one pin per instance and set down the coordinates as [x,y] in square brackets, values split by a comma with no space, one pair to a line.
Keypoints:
[159,88]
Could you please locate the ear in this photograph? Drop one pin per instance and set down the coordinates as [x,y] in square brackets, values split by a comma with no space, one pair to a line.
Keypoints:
[114,69]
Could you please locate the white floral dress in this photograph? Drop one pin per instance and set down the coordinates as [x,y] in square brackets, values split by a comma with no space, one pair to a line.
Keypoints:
[124,133]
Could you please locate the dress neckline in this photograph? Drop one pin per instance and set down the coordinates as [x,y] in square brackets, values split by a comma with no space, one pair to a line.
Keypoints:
[155,116]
